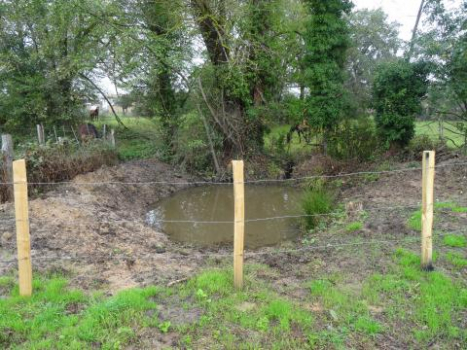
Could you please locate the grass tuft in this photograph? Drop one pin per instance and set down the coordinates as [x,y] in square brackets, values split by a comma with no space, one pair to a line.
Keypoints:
[455,241]
[354,226]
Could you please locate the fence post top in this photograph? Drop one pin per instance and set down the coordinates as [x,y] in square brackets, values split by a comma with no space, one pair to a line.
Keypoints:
[19,161]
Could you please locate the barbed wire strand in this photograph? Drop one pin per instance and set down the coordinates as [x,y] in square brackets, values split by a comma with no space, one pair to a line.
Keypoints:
[284,217]
[248,254]
[187,183]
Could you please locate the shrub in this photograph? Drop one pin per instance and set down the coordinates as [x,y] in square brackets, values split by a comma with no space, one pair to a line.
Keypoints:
[397,91]
[61,162]
[354,139]
[192,146]
[316,202]
[423,143]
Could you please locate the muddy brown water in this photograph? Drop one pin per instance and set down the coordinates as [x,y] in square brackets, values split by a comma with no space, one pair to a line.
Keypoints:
[215,203]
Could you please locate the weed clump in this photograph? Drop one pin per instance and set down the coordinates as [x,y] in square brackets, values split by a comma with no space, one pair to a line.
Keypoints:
[316,203]
[354,226]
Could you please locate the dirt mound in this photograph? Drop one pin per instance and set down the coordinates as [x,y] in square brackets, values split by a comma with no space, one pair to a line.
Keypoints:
[95,226]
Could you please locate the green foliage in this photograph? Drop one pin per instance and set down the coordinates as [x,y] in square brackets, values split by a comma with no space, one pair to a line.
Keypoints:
[397,91]
[445,45]
[326,41]
[316,202]
[422,143]
[455,241]
[45,49]
[354,139]
[193,151]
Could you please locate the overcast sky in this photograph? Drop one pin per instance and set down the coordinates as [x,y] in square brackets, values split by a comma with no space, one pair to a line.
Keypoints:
[403,11]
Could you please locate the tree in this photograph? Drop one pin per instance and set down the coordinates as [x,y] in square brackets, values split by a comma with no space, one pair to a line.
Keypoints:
[44,47]
[244,70]
[374,40]
[397,91]
[446,48]
[327,40]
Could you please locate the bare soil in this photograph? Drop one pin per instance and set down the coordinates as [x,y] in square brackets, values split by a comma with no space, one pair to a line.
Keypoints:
[97,233]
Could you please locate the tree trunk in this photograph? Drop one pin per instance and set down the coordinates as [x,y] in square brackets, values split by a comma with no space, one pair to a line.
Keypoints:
[7,158]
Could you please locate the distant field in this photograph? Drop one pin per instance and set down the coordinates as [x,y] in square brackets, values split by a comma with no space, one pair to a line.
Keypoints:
[431,129]
[139,141]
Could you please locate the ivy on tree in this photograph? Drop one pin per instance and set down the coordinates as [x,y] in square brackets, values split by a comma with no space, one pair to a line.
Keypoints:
[326,42]
[397,92]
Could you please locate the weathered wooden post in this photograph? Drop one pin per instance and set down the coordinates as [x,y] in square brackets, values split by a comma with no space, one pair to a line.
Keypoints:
[239,221]
[112,138]
[428,180]
[40,134]
[22,227]
[104,132]
[55,133]
[7,158]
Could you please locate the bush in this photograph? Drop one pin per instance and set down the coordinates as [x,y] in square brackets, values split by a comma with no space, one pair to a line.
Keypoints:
[316,201]
[62,162]
[192,146]
[423,143]
[397,91]
[355,139]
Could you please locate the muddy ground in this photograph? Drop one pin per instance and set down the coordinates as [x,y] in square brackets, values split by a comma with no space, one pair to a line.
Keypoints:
[97,233]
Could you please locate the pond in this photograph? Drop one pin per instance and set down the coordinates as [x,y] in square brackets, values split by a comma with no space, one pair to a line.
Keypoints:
[215,203]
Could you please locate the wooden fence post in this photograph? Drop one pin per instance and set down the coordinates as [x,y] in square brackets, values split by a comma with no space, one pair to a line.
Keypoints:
[112,137]
[40,134]
[239,221]
[428,179]
[7,157]
[22,227]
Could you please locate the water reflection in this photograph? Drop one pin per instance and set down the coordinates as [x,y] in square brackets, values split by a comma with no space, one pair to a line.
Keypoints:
[215,203]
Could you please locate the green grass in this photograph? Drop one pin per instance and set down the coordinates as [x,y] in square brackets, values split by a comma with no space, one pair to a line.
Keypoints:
[455,241]
[431,129]
[426,301]
[56,317]
[457,260]
[295,148]
[354,226]
[140,140]
[420,307]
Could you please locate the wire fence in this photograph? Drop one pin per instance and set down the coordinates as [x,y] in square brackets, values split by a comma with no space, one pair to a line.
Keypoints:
[230,183]
[248,254]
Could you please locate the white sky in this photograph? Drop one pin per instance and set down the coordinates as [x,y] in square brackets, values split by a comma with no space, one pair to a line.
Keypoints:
[403,11]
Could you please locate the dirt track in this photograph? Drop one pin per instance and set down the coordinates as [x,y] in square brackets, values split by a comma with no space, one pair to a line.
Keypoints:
[97,233]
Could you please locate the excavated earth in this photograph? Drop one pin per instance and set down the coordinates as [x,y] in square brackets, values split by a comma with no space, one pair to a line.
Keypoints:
[93,229]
